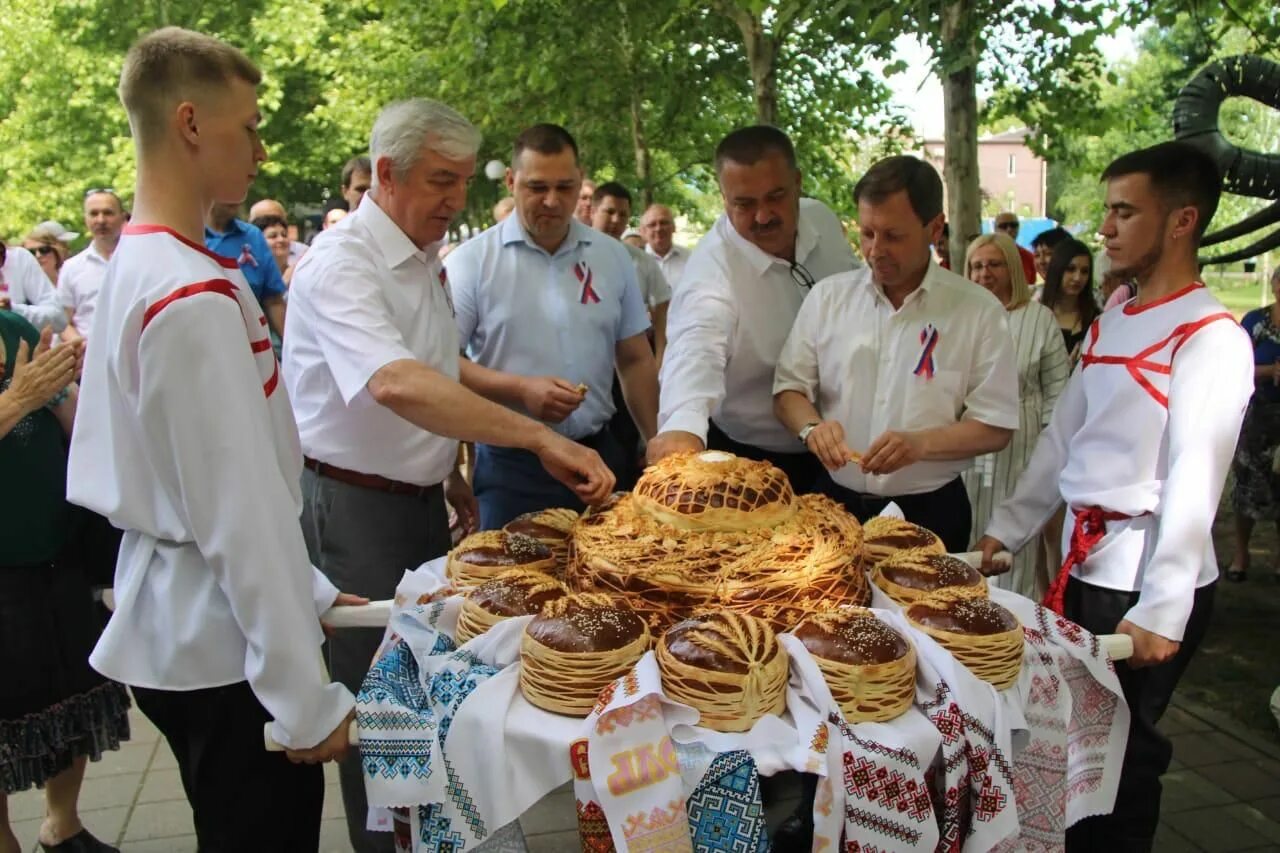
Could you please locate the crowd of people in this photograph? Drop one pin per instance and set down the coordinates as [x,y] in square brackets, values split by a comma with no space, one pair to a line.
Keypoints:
[264,429]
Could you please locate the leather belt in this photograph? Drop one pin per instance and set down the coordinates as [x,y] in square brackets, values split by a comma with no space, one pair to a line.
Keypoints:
[366,481]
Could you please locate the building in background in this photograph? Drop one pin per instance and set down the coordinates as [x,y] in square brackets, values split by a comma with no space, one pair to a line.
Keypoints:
[1011,175]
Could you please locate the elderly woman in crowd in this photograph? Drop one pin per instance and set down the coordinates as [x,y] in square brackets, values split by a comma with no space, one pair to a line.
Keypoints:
[1068,293]
[992,261]
[51,245]
[55,711]
[276,231]
[1256,495]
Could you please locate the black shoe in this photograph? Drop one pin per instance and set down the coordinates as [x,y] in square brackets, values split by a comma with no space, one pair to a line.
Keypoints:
[82,842]
[794,835]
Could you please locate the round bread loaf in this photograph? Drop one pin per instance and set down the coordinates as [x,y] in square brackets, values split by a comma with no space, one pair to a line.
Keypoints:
[979,633]
[483,555]
[712,490]
[870,667]
[574,648]
[515,592]
[883,537]
[908,576]
[552,527]
[728,666]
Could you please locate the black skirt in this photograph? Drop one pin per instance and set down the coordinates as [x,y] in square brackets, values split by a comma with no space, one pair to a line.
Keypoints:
[54,707]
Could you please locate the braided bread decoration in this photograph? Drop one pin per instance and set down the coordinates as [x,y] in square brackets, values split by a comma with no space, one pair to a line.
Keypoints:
[910,575]
[483,555]
[870,668]
[727,666]
[574,648]
[883,537]
[552,527]
[809,563]
[712,490]
[515,592]
[978,633]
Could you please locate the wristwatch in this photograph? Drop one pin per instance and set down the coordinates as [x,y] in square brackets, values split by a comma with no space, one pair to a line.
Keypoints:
[803,434]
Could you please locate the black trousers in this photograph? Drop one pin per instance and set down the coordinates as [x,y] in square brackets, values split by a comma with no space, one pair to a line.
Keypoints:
[242,797]
[1131,827]
[801,468]
[945,510]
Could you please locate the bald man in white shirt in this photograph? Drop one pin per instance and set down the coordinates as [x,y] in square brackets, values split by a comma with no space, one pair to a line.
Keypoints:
[658,227]
[735,305]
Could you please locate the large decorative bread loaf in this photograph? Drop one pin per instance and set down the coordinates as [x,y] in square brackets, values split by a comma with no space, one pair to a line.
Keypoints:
[883,537]
[978,633]
[489,553]
[712,490]
[869,667]
[552,527]
[908,576]
[727,666]
[515,592]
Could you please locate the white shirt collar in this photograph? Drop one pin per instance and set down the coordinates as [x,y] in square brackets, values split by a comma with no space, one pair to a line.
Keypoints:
[928,283]
[759,259]
[394,245]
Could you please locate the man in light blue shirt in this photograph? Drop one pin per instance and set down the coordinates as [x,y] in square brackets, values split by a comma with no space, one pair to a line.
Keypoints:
[547,309]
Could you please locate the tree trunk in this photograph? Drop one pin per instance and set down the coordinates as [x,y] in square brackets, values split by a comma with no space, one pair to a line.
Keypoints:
[644,171]
[960,102]
[762,56]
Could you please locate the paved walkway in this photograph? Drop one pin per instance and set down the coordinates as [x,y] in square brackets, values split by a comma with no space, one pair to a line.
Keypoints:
[1222,794]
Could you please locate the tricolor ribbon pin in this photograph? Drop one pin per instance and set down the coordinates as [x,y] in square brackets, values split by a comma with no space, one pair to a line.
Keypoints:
[929,341]
[583,272]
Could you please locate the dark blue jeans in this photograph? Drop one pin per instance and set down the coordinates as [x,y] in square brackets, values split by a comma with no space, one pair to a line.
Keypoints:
[510,482]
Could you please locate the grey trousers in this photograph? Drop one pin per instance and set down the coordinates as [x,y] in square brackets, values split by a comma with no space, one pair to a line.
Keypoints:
[363,541]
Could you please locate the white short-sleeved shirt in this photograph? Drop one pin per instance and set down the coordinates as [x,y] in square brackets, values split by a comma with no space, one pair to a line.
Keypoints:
[30,292]
[672,263]
[79,281]
[726,325]
[362,297]
[184,440]
[522,310]
[653,285]
[946,355]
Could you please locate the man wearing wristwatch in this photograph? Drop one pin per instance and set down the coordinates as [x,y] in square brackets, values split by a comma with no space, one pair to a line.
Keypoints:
[903,361]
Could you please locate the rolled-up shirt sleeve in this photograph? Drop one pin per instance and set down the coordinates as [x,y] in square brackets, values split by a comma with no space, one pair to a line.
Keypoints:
[992,396]
[700,327]
[201,403]
[357,336]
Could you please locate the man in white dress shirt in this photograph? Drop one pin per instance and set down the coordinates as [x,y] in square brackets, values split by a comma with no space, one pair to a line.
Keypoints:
[1138,448]
[371,364]
[549,309]
[27,291]
[80,278]
[735,305]
[902,361]
[658,227]
[186,442]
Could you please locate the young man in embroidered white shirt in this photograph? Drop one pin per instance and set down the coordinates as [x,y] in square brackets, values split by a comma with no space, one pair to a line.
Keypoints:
[737,299]
[905,362]
[1138,448]
[186,442]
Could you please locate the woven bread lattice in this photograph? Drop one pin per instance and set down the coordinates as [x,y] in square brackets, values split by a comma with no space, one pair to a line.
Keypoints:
[715,491]
[569,682]
[868,692]
[558,519]
[474,619]
[809,563]
[883,537]
[524,552]
[994,658]
[941,566]
[727,701]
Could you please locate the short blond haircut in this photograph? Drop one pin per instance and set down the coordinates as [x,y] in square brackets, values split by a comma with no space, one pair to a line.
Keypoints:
[172,65]
[1020,292]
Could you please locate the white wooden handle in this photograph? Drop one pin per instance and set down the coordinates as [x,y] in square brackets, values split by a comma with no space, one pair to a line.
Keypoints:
[372,615]
[1117,646]
[974,558]
[353,737]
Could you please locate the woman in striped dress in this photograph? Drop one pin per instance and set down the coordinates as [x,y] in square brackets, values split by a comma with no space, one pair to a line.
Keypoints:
[992,261]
